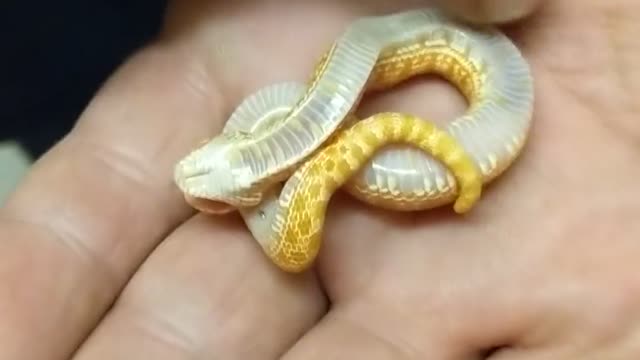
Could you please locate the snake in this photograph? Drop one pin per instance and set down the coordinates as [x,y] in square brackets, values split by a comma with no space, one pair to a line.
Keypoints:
[271,160]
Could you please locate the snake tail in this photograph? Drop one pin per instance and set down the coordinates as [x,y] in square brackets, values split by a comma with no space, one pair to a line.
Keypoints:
[299,221]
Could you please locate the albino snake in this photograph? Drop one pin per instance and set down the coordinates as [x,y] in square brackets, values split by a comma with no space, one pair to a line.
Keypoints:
[303,134]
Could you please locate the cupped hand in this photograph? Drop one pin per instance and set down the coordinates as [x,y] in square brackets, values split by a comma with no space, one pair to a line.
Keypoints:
[102,258]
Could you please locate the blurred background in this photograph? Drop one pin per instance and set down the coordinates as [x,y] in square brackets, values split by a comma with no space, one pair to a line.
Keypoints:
[55,55]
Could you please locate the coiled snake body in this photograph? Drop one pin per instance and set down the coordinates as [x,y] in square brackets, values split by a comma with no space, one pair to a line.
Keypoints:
[309,137]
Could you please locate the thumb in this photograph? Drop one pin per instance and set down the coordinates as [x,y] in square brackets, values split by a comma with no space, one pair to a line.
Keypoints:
[490,11]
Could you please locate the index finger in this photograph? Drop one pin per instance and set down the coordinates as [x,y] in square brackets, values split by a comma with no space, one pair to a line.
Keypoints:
[92,208]
[491,11]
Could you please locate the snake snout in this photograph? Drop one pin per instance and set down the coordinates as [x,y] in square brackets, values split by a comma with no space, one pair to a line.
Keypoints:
[187,169]
[193,182]
[187,175]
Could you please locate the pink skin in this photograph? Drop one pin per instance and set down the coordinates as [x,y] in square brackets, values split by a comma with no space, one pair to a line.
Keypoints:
[102,259]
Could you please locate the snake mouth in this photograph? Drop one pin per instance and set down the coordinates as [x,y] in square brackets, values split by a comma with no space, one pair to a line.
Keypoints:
[207,206]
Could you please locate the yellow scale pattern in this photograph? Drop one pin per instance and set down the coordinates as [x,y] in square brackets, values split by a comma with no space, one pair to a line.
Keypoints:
[401,63]
[299,226]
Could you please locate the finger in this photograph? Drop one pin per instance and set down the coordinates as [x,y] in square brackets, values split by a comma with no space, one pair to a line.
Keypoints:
[97,204]
[491,11]
[350,333]
[199,295]
[398,291]
[92,208]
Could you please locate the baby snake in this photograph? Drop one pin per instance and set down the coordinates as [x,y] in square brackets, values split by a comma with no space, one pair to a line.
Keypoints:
[305,133]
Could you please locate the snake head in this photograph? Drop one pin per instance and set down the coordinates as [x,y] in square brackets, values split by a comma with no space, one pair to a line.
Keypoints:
[213,180]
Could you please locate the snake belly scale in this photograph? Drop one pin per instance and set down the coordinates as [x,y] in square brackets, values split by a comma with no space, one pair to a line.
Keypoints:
[278,132]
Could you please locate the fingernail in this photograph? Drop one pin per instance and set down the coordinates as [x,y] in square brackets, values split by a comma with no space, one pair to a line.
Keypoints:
[491,11]
[499,11]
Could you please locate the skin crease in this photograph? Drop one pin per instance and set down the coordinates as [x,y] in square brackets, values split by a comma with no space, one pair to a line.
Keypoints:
[101,258]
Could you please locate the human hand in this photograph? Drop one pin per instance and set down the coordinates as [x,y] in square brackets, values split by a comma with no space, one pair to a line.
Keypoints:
[99,220]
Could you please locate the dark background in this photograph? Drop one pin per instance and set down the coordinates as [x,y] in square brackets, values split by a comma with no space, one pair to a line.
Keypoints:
[54,55]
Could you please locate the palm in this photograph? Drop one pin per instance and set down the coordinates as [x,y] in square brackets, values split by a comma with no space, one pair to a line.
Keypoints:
[546,235]
[543,264]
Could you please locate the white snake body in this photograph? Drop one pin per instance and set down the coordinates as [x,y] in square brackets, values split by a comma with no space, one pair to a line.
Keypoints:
[493,130]
[278,127]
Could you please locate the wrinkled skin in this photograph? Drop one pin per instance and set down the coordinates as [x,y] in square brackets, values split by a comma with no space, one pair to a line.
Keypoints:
[102,259]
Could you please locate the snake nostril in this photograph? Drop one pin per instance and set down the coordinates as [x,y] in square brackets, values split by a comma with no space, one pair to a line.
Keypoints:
[185,173]
[187,169]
